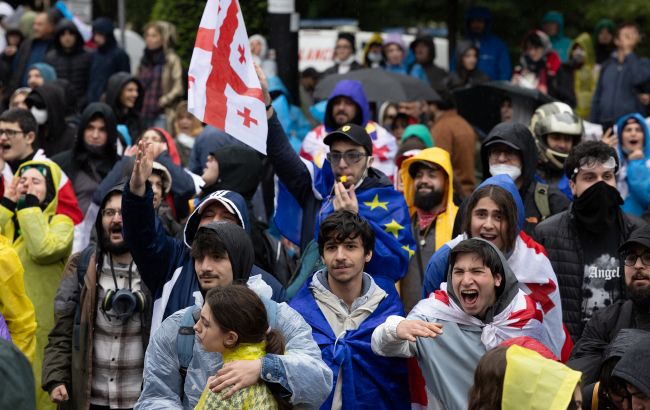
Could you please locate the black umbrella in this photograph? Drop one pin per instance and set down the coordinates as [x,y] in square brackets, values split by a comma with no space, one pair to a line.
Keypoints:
[379,85]
[480,105]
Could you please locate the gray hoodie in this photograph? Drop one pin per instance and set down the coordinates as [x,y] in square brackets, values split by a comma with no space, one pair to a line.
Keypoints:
[447,361]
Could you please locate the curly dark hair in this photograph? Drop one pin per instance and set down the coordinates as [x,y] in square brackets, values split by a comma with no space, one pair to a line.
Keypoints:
[595,149]
[342,225]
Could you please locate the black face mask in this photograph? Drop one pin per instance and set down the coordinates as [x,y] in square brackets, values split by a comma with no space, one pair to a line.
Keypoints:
[597,209]
[427,201]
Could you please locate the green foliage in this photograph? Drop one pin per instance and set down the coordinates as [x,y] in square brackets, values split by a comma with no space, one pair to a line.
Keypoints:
[186,16]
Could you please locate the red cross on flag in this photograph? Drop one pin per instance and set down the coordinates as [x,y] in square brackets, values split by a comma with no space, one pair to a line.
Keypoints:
[223,89]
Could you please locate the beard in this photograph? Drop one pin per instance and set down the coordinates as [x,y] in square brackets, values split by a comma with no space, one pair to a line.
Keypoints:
[116,248]
[640,295]
[426,201]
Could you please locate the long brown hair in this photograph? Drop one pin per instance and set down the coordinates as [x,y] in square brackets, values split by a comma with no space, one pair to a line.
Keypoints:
[238,309]
[507,206]
[487,390]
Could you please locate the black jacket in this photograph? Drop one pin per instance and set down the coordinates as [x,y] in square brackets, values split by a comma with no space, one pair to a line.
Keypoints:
[559,235]
[72,65]
[435,74]
[129,117]
[84,168]
[600,331]
[521,137]
[57,134]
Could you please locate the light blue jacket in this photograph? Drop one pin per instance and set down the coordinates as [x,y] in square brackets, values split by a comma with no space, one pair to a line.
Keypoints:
[633,179]
[300,370]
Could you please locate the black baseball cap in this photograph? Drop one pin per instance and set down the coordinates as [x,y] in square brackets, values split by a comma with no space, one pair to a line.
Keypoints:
[640,236]
[353,132]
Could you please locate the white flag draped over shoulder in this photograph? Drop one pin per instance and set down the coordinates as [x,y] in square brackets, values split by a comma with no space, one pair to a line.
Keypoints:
[223,89]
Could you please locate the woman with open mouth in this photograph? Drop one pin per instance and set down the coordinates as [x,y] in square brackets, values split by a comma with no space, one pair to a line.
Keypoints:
[495,213]
[633,179]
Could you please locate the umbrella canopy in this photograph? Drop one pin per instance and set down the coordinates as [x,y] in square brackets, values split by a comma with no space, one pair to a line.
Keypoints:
[380,85]
[480,105]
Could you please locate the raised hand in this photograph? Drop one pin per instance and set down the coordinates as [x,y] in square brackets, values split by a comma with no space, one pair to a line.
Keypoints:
[142,168]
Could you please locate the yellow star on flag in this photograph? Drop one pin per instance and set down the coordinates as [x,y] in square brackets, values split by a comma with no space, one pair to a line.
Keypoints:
[393,227]
[409,250]
[376,204]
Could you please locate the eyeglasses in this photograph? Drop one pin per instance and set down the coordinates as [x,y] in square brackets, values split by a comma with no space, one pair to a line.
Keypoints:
[631,258]
[110,212]
[10,133]
[351,157]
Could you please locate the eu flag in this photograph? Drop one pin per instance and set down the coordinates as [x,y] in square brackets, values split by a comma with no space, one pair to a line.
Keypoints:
[382,206]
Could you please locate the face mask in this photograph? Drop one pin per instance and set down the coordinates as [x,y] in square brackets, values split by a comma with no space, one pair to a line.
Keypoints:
[375,57]
[512,171]
[39,115]
[597,207]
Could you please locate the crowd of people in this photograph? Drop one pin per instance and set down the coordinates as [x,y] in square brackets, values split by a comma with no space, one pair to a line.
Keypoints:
[382,254]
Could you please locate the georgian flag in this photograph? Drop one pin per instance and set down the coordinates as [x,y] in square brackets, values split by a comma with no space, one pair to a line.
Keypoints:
[223,88]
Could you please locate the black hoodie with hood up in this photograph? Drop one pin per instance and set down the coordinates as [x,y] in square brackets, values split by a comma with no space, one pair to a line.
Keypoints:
[73,64]
[87,167]
[56,135]
[131,116]
[519,136]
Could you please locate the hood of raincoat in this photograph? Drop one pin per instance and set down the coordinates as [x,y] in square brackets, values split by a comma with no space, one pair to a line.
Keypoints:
[354,91]
[54,175]
[445,220]
[506,183]
[620,123]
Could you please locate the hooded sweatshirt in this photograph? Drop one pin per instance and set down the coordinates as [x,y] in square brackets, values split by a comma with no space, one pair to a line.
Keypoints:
[165,262]
[634,367]
[107,60]
[43,241]
[448,360]
[440,230]
[435,75]
[131,116]
[384,145]
[74,64]
[464,78]
[239,171]
[560,43]
[530,264]
[56,135]
[86,166]
[633,178]
[493,58]
[519,136]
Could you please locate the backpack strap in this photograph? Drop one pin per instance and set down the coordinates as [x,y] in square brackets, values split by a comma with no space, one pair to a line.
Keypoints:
[82,267]
[185,343]
[541,200]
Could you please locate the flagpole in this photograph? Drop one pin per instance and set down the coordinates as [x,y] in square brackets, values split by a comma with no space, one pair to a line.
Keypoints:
[285,23]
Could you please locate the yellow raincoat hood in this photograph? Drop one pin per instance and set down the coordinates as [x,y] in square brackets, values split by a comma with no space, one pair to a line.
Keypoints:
[444,221]
[585,78]
[533,382]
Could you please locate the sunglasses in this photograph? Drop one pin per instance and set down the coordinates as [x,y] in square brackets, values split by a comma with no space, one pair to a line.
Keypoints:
[351,157]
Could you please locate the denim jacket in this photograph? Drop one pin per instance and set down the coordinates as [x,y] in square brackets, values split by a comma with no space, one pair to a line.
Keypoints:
[301,370]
